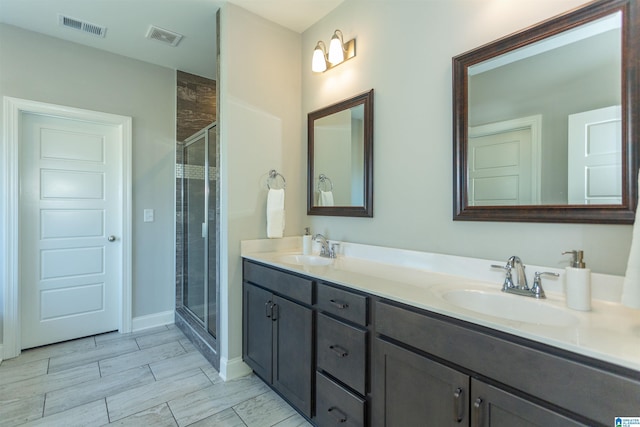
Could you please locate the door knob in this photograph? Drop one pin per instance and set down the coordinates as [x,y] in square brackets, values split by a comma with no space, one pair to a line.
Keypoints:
[111,238]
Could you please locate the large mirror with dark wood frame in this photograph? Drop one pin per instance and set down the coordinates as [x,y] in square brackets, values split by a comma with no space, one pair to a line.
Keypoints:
[340,154]
[546,120]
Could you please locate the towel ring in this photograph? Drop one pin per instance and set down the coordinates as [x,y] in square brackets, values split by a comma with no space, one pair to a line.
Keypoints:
[322,180]
[273,176]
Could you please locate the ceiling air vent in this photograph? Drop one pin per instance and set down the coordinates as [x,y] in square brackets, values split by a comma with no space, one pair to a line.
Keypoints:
[86,27]
[164,36]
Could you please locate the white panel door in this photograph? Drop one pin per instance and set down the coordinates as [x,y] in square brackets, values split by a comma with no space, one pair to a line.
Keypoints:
[500,169]
[595,157]
[70,205]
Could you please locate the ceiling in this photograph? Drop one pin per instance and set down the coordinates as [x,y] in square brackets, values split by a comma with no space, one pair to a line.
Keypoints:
[127,23]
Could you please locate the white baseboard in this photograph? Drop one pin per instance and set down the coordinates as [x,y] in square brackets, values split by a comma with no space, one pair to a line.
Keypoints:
[232,369]
[152,320]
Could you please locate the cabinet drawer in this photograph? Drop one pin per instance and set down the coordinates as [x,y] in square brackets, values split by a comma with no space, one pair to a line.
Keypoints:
[285,284]
[345,304]
[341,351]
[335,406]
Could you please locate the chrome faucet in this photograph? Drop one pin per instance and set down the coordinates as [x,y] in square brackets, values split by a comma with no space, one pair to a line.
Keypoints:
[324,245]
[521,278]
[326,250]
[521,287]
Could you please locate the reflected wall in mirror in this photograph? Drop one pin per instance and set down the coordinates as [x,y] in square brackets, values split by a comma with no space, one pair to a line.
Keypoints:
[545,121]
[340,158]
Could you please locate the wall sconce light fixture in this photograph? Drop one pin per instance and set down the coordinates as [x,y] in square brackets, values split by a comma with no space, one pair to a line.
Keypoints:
[339,52]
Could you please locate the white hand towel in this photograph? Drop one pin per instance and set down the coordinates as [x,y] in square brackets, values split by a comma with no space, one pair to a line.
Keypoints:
[275,213]
[325,198]
[631,284]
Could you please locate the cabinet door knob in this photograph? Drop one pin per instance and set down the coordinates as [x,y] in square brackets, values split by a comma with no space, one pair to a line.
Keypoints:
[458,407]
[111,238]
[340,416]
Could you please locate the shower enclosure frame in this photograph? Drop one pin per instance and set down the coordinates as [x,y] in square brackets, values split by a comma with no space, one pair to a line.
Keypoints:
[188,320]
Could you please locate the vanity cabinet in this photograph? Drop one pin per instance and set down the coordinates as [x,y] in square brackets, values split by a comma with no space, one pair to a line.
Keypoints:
[278,331]
[426,365]
[344,357]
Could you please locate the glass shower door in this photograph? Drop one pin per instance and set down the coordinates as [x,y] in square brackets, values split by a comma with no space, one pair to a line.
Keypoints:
[200,213]
[194,232]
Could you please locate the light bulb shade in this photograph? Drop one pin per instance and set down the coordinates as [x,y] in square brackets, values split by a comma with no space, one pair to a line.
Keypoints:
[319,60]
[336,48]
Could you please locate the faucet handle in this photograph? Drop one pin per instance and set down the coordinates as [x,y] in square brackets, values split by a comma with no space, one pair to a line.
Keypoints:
[333,252]
[508,280]
[536,289]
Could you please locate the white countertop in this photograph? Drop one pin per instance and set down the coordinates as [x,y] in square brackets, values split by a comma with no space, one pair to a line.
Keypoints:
[609,332]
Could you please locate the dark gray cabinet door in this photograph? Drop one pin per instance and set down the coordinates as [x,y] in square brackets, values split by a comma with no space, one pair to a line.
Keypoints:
[257,342]
[293,352]
[493,407]
[412,390]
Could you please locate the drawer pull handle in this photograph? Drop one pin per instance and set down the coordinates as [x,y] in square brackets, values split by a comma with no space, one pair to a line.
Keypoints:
[339,304]
[339,351]
[458,408]
[477,412]
[340,416]
[274,312]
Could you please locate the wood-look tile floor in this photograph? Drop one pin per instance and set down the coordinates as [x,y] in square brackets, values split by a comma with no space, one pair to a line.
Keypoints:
[151,378]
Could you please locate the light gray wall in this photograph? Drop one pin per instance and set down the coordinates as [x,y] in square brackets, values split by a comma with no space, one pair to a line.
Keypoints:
[50,70]
[404,50]
[260,129]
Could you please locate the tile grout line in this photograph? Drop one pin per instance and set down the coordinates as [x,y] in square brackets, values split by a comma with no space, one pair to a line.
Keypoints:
[106,407]
[238,415]
[148,365]
[44,405]
[172,414]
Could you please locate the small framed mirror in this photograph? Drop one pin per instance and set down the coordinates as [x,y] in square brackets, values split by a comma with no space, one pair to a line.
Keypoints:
[546,120]
[340,158]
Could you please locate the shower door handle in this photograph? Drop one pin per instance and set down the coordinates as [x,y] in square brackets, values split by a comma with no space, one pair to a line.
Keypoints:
[204,230]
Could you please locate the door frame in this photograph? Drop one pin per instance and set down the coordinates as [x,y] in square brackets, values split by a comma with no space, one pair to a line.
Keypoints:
[13,110]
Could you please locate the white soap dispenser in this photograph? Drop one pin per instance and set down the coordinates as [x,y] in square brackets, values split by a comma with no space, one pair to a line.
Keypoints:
[578,282]
[306,242]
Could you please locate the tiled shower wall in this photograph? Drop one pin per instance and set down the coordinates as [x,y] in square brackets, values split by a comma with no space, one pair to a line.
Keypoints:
[196,104]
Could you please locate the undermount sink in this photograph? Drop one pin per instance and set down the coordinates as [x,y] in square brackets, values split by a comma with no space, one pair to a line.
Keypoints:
[308,260]
[510,307]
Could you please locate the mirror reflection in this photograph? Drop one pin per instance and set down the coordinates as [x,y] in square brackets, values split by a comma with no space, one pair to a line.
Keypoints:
[340,166]
[339,158]
[544,121]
